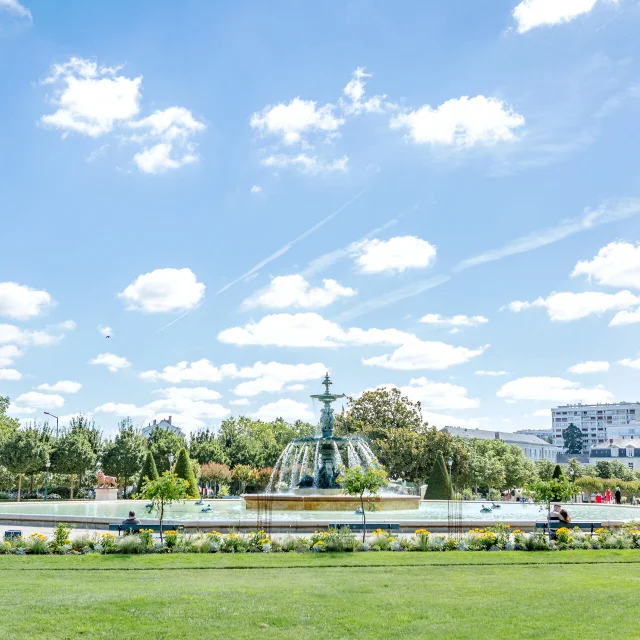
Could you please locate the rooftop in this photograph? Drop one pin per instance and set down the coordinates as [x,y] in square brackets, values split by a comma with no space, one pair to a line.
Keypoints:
[506,436]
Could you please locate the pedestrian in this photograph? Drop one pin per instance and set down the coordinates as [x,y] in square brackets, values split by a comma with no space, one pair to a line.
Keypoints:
[598,498]
[618,495]
[607,496]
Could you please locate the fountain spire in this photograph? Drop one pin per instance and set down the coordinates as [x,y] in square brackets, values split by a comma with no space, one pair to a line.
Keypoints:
[327,419]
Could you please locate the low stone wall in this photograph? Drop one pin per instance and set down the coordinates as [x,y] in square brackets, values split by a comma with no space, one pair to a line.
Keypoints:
[286,502]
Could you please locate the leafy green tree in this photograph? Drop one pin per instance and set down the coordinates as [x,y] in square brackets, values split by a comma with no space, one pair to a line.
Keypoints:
[557,473]
[519,470]
[81,424]
[23,452]
[184,470]
[572,437]
[548,491]
[243,474]
[621,471]
[439,487]
[72,455]
[205,447]
[545,469]
[161,443]
[164,491]
[215,474]
[149,471]
[8,425]
[574,469]
[589,485]
[603,469]
[249,442]
[124,456]
[356,482]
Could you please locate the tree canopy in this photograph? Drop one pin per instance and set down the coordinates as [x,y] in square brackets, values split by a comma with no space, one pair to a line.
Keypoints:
[72,455]
[572,437]
[124,456]
[23,452]
[161,443]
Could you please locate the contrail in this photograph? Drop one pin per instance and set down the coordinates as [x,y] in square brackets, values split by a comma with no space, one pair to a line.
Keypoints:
[186,313]
[290,244]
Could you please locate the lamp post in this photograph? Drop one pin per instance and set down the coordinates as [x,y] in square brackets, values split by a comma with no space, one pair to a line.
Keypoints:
[171,458]
[450,463]
[56,417]
[572,473]
[46,481]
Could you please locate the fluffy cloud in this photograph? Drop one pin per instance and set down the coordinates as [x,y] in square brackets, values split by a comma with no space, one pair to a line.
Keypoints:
[483,372]
[256,188]
[294,120]
[164,290]
[261,377]
[113,362]
[295,291]
[240,402]
[394,255]
[453,321]
[91,99]
[67,325]
[591,366]
[439,395]
[35,400]
[285,408]
[305,163]
[530,14]
[11,334]
[565,307]
[440,420]
[542,413]
[15,8]
[355,102]
[625,317]
[63,386]
[628,362]
[463,122]
[196,394]
[616,265]
[21,302]
[158,158]
[104,330]
[10,374]
[8,354]
[552,390]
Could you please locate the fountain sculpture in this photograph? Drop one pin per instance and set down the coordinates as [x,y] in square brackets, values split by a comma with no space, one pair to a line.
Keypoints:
[306,475]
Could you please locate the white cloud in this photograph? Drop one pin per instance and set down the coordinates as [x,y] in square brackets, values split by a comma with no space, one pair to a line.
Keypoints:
[113,362]
[240,402]
[463,122]
[164,290]
[21,302]
[15,8]
[63,386]
[17,410]
[295,291]
[285,408]
[394,255]
[8,354]
[158,159]
[439,395]
[294,120]
[295,387]
[628,362]
[256,188]
[355,92]
[616,265]
[196,394]
[67,325]
[591,366]
[91,100]
[565,307]
[104,330]
[625,317]
[542,413]
[123,409]
[172,123]
[530,14]
[305,163]
[442,420]
[11,334]
[10,374]
[552,390]
[35,400]
[453,321]
[483,372]
[200,371]
[419,354]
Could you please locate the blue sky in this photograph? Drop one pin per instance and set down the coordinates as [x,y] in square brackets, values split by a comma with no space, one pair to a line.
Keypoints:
[443,197]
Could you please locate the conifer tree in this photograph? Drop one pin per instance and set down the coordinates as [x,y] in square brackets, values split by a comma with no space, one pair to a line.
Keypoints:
[557,473]
[149,472]
[184,470]
[439,487]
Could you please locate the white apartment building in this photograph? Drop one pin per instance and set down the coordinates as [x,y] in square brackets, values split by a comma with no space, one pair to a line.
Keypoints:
[624,451]
[598,422]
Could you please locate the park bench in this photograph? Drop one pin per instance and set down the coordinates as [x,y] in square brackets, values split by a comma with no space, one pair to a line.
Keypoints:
[12,533]
[136,528]
[554,525]
[370,526]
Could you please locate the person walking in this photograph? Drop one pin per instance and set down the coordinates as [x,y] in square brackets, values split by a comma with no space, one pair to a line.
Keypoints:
[618,495]
[607,496]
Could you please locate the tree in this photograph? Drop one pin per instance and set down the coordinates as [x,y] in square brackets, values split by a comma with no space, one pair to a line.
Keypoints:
[163,491]
[545,469]
[72,455]
[8,425]
[184,470]
[249,442]
[589,485]
[557,473]
[572,437]
[216,474]
[23,452]
[205,447]
[548,491]
[149,471]
[81,424]
[125,455]
[603,469]
[439,487]
[161,443]
[355,482]
[243,474]
[575,469]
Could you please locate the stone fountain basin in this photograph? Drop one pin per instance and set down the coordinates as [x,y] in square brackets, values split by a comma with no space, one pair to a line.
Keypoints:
[332,500]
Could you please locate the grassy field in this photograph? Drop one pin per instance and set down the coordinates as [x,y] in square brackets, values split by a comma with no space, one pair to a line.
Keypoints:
[580,594]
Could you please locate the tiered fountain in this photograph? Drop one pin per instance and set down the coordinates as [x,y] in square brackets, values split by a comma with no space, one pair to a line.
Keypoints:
[306,475]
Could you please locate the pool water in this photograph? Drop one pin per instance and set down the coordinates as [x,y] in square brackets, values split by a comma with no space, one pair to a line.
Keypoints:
[232,510]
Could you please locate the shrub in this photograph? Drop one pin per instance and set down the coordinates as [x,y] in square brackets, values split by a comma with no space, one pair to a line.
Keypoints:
[438,487]
[131,544]
[422,540]
[184,470]
[37,544]
[61,537]
[149,471]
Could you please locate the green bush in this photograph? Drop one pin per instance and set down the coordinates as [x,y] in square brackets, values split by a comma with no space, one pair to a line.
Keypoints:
[438,487]
[184,470]
[149,471]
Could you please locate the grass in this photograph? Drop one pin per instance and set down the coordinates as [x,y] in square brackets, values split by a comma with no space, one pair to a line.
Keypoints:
[590,594]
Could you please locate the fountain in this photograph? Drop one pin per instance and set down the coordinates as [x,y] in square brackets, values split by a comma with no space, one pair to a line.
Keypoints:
[306,475]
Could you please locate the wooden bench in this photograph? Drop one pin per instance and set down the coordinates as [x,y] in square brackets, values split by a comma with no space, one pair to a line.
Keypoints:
[136,528]
[554,525]
[357,526]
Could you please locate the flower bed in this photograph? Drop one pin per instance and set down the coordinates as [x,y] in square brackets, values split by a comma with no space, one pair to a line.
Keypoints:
[496,538]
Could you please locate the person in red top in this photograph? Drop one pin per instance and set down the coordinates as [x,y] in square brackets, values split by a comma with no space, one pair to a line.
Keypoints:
[607,495]
[598,498]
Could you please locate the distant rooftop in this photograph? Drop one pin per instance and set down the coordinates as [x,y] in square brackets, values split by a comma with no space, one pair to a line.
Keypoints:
[506,436]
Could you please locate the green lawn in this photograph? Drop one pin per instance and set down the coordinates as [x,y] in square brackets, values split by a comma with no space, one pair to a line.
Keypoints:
[582,594]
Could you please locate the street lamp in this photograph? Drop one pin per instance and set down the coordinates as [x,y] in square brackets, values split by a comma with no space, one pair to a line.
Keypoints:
[450,463]
[171,458]
[56,417]
[46,480]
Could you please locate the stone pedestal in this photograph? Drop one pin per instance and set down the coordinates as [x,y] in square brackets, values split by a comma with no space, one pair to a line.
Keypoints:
[106,493]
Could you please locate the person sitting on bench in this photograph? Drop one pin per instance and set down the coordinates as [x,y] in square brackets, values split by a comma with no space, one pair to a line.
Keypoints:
[560,514]
[131,519]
